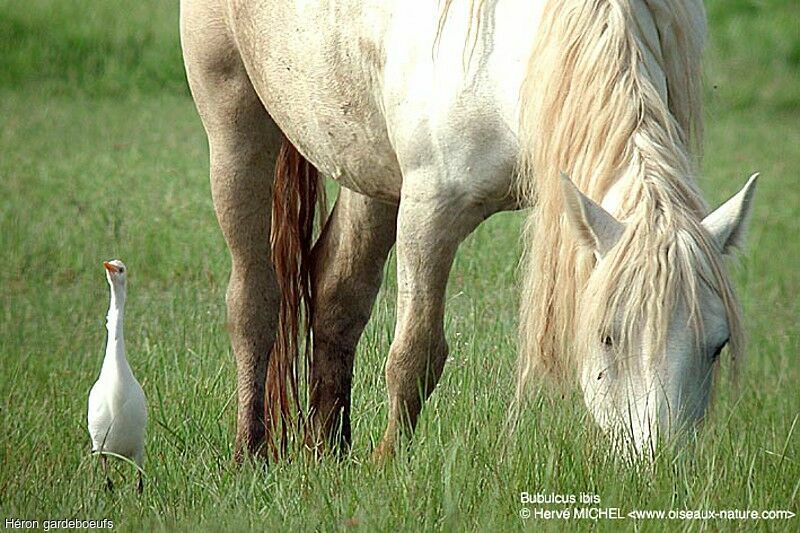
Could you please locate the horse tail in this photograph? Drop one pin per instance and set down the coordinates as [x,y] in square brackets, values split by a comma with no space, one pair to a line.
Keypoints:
[297,192]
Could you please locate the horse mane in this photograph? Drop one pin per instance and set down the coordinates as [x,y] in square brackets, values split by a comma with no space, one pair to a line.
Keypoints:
[612,96]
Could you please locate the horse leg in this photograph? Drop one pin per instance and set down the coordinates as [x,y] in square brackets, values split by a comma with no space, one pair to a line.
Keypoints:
[348,264]
[242,161]
[243,144]
[430,228]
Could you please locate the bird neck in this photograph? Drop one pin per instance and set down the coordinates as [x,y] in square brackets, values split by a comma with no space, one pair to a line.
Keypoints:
[116,308]
[115,361]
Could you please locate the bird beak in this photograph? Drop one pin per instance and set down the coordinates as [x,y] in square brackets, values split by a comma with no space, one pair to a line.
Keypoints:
[110,267]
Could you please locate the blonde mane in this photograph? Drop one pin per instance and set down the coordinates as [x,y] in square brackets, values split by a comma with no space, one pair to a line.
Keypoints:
[612,96]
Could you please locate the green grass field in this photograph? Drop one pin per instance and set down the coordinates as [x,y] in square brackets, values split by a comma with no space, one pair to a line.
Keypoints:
[102,155]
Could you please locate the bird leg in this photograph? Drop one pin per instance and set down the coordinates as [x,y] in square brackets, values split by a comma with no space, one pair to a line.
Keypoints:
[109,484]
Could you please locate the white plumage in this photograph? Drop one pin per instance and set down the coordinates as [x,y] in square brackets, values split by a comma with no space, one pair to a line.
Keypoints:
[117,406]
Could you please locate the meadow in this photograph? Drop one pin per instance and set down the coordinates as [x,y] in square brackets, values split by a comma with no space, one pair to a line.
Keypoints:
[102,155]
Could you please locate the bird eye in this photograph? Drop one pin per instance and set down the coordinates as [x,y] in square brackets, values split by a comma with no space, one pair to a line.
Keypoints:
[718,351]
[121,270]
[608,341]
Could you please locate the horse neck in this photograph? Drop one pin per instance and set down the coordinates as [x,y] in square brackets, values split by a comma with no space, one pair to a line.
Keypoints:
[658,175]
[608,83]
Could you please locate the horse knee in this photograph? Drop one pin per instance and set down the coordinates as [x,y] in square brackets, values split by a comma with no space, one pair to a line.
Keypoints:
[413,370]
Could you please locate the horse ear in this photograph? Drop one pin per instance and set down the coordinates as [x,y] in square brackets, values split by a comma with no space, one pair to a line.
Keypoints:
[595,227]
[728,222]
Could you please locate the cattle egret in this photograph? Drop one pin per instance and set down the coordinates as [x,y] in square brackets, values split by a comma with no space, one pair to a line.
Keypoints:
[117,406]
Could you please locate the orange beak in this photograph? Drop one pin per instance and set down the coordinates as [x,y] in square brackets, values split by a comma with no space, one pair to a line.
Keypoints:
[110,267]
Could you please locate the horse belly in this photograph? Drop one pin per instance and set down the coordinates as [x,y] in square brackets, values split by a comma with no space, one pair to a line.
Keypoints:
[322,87]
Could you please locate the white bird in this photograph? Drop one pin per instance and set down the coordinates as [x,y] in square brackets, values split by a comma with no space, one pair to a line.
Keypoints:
[117,406]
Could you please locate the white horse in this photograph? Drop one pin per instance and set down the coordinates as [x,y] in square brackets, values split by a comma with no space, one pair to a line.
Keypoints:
[433,116]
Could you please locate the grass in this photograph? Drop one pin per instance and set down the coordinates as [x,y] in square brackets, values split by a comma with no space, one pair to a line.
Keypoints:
[103,156]
[90,46]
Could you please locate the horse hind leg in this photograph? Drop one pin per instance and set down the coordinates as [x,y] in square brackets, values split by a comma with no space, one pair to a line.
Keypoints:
[243,144]
[348,262]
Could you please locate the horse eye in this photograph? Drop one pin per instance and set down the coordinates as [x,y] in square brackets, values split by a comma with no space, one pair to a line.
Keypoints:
[719,350]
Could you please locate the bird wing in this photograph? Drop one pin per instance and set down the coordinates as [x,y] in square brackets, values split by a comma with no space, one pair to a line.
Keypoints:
[99,416]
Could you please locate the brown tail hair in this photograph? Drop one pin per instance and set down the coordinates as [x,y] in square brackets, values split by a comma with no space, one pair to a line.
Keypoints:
[297,191]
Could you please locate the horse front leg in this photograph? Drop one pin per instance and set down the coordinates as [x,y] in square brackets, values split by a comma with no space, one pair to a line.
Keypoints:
[430,229]
[348,263]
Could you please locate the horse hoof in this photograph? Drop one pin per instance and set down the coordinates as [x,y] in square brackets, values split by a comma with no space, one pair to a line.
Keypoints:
[383,454]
